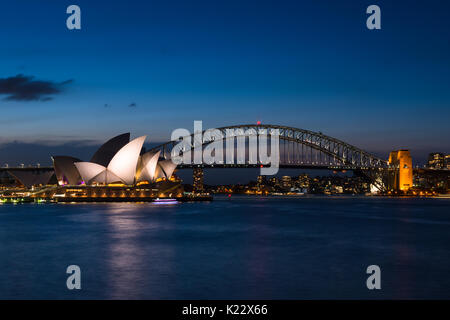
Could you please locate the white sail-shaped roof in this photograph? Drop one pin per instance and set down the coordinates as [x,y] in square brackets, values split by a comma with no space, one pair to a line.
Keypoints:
[108,150]
[124,163]
[106,177]
[159,173]
[121,168]
[89,170]
[65,170]
[147,167]
[168,167]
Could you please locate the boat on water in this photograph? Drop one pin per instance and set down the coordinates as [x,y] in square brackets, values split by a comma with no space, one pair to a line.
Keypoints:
[165,201]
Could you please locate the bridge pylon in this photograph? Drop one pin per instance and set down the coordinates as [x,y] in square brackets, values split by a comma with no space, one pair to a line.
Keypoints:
[401,177]
[198,180]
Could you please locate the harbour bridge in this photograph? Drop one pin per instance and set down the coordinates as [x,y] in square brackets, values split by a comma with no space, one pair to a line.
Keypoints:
[299,148]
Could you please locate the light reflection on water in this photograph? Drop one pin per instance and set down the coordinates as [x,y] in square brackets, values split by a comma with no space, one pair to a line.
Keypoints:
[240,248]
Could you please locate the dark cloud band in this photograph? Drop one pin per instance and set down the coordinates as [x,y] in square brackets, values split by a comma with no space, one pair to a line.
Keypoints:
[26,88]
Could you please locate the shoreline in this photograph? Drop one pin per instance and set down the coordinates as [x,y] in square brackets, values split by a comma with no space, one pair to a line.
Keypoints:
[161,200]
[167,200]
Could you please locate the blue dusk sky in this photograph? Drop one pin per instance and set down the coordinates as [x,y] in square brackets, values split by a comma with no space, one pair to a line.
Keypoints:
[149,67]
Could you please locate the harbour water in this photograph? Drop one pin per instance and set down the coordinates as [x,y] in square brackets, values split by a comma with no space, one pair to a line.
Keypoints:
[230,248]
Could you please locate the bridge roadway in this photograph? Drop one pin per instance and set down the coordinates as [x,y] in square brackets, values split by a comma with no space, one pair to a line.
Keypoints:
[244,166]
[213,166]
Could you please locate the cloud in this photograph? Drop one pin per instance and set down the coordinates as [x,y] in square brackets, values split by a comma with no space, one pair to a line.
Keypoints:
[40,151]
[26,88]
[132,105]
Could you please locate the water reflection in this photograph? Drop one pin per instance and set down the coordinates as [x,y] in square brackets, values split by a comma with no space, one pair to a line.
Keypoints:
[133,261]
[244,248]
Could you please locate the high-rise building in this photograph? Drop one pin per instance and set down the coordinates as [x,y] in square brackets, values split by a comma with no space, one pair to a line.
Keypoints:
[436,160]
[273,181]
[401,163]
[286,182]
[198,180]
[447,161]
[303,181]
[260,181]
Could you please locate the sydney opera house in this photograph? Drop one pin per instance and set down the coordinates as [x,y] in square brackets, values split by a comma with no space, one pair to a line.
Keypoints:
[120,168]
[118,161]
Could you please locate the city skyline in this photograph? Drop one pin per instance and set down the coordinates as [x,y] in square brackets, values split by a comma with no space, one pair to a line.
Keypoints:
[311,66]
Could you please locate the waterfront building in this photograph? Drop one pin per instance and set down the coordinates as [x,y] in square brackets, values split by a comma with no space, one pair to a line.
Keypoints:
[118,161]
[120,170]
[286,182]
[274,181]
[303,181]
[436,160]
[261,181]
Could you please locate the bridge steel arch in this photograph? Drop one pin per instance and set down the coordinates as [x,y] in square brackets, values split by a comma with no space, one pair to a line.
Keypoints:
[337,153]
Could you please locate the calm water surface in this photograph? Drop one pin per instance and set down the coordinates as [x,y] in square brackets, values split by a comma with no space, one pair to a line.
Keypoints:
[238,248]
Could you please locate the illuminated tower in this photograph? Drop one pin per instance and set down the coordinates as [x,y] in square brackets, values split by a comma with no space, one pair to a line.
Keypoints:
[401,162]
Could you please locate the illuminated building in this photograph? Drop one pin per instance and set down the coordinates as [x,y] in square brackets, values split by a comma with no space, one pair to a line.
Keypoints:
[198,180]
[121,168]
[286,182]
[436,160]
[447,161]
[303,181]
[273,181]
[117,162]
[401,162]
[260,181]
